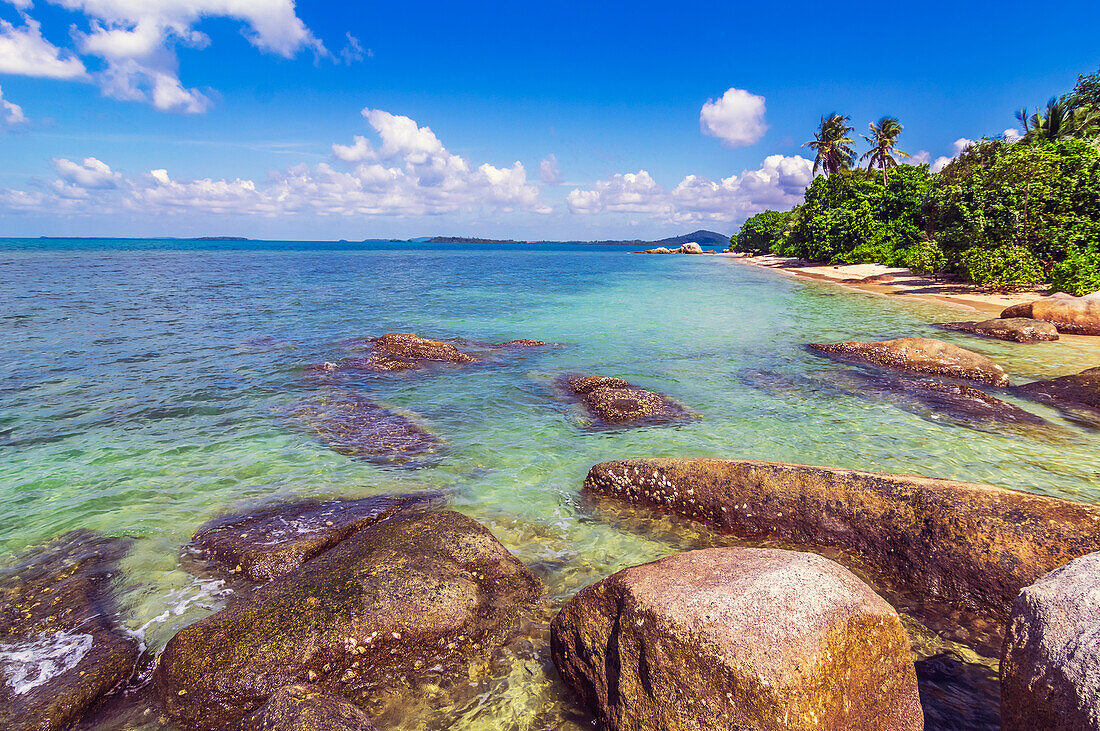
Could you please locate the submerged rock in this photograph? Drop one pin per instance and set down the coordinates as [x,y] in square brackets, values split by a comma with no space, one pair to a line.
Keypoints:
[304,708]
[1050,671]
[522,343]
[405,351]
[60,654]
[269,543]
[1079,391]
[969,403]
[921,355]
[737,638]
[1077,315]
[956,694]
[967,545]
[1017,329]
[615,401]
[350,425]
[391,604]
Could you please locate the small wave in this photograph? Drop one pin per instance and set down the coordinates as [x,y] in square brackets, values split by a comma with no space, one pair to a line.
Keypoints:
[35,662]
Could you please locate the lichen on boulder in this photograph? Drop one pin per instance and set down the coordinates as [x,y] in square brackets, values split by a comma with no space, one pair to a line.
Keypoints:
[737,638]
[406,599]
[920,355]
[304,708]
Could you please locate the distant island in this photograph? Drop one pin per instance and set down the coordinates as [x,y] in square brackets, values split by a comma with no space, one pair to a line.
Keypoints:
[701,237]
[221,238]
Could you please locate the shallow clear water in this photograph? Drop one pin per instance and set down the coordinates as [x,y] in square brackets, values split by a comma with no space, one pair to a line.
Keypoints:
[142,385]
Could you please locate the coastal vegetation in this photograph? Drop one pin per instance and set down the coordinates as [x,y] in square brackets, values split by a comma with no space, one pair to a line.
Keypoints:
[1005,213]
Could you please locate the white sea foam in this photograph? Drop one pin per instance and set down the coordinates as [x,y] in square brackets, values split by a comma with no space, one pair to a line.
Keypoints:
[207,595]
[34,662]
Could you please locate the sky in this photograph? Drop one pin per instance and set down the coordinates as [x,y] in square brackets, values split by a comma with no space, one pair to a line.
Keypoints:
[526,120]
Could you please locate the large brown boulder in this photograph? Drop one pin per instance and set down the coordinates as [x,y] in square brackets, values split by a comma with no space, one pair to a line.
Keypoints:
[658,250]
[304,708]
[1050,670]
[615,401]
[1016,329]
[406,351]
[60,653]
[968,545]
[406,599]
[737,638]
[920,355]
[268,543]
[690,248]
[1079,391]
[1077,315]
[351,425]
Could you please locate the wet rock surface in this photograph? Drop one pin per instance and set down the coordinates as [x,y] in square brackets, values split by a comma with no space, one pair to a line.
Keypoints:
[1076,315]
[1050,671]
[1080,391]
[351,425]
[406,351]
[615,401]
[958,695]
[60,652]
[408,598]
[522,343]
[303,708]
[1016,329]
[969,403]
[266,544]
[969,546]
[920,355]
[733,638]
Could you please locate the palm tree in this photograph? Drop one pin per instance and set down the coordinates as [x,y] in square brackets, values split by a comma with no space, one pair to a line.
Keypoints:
[1058,123]
[832,144]
[883,139]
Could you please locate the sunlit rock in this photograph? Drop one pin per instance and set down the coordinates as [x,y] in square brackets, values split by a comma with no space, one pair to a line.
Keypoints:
[921,355]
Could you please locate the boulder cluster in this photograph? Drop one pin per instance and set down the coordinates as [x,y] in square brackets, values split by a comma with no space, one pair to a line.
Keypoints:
[689,248]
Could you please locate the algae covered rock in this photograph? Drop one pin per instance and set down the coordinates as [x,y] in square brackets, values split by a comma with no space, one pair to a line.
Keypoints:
[1050,671]
[967,545]
[389,605]
[1076,315]
[1017,329]
[615,401]
[60,653]
[303,708]
[737,638]
[406,351]
[351,425]
[921,355]
[268,543]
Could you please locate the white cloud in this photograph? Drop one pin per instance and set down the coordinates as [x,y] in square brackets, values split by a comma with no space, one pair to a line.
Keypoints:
[737,118]
[353,51]
[24,51]
[780,183]
[407,173]
[548,170]
[923,157]
[1012,135]
[959,146]
[11,114]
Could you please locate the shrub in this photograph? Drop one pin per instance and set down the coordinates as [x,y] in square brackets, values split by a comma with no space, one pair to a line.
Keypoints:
[761,233]
[1004,268]
[1079,274]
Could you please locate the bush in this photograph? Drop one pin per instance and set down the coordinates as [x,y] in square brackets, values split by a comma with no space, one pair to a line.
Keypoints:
[761,233]
[1004,268]
[1079,274]
[922,257]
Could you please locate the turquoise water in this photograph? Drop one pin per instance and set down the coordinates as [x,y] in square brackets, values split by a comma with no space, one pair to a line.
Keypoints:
[143,382]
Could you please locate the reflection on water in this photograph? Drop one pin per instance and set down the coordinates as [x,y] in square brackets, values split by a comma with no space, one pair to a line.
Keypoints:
[142,387]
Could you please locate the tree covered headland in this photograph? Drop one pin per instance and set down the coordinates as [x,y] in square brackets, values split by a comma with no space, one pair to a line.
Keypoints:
[1002,214]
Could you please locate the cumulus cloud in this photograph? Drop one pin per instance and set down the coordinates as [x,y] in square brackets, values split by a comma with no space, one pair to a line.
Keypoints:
[736,118]
[1012,135]
[779,183]
[548,170]
[24,51]
[959,146]
[922,157]
[405,172]
[136,42]
[11,114]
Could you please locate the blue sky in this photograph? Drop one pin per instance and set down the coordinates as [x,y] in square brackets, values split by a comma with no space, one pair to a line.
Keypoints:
[526,120]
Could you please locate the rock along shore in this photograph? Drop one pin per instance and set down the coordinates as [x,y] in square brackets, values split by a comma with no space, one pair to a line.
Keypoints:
[972,546]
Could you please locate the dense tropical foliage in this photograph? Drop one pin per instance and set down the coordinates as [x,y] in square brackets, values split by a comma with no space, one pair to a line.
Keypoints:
[1003,214]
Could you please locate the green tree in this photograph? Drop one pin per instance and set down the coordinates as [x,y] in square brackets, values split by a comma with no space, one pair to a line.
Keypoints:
[1062,119]
[883,140]
[762,233]
[832,145]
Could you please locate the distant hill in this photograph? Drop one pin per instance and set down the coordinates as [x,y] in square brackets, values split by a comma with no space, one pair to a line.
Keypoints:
[701,237]
[221,238]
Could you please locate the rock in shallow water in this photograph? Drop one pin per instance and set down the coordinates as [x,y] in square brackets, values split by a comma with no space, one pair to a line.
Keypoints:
[736,638]
[615,401]
[303,708]
[1017,329]
[1079,391]
[433,593]
[268,543]
[406,351]
[59,651]
[1077,315]
[1050,672]
[967,545]
[921,355]
[349,424]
